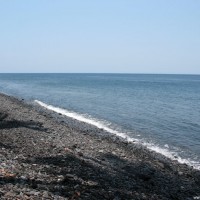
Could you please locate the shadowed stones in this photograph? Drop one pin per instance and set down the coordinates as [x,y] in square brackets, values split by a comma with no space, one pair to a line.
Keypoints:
[143,172]
[3,116]
[9,124]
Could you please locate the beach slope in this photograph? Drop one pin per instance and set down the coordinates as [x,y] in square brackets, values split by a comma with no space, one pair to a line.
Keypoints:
[47,156]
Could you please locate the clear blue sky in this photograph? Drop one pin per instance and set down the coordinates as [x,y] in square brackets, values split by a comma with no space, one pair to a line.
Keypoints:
[117,36]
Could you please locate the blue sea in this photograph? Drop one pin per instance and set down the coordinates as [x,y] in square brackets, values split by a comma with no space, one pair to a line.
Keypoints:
[161,112]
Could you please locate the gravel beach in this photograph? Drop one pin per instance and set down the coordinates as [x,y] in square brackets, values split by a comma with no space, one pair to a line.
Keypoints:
[44,155]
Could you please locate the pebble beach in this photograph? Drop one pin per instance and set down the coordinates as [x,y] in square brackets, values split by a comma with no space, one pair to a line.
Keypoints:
[44,155]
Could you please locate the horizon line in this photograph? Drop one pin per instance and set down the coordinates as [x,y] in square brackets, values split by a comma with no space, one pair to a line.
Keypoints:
[98,73]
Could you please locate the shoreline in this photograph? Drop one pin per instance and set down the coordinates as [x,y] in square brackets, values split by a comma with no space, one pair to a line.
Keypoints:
[47,155]
[114,133]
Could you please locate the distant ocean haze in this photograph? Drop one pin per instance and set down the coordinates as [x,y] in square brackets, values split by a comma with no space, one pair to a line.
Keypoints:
[161,112]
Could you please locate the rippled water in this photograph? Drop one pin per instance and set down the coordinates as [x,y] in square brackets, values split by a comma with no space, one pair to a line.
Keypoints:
[160,111]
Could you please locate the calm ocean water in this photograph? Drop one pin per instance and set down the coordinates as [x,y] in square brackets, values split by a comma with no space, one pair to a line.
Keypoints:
[160,111]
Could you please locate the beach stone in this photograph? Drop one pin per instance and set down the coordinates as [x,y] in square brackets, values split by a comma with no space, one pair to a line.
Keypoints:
[74,146]
[45,194]
[80,153]
[161,165]
[32,160]
[180,173]
[76,186]
[114,153]
[10,194]
[69,175]
[33,193]
[23,178]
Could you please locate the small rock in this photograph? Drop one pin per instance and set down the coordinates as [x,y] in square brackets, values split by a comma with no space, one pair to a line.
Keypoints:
[69,176]
[23,178]
[161,165]
[61,176]
[176,157]
[45,194]
[180,173]
[74,146]
[10,194]
[34,193]
[76,186]
[91,183]
[80,153]
[21,194]
[32,159]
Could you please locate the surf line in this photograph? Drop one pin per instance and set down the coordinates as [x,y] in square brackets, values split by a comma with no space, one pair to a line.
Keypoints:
[164,151]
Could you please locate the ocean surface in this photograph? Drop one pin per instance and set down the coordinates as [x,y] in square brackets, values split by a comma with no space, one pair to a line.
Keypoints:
[161,112]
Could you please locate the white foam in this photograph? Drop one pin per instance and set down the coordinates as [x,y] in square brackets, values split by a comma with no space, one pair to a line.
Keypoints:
[102,125]
[172,155]
[88,120]
[166,145]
